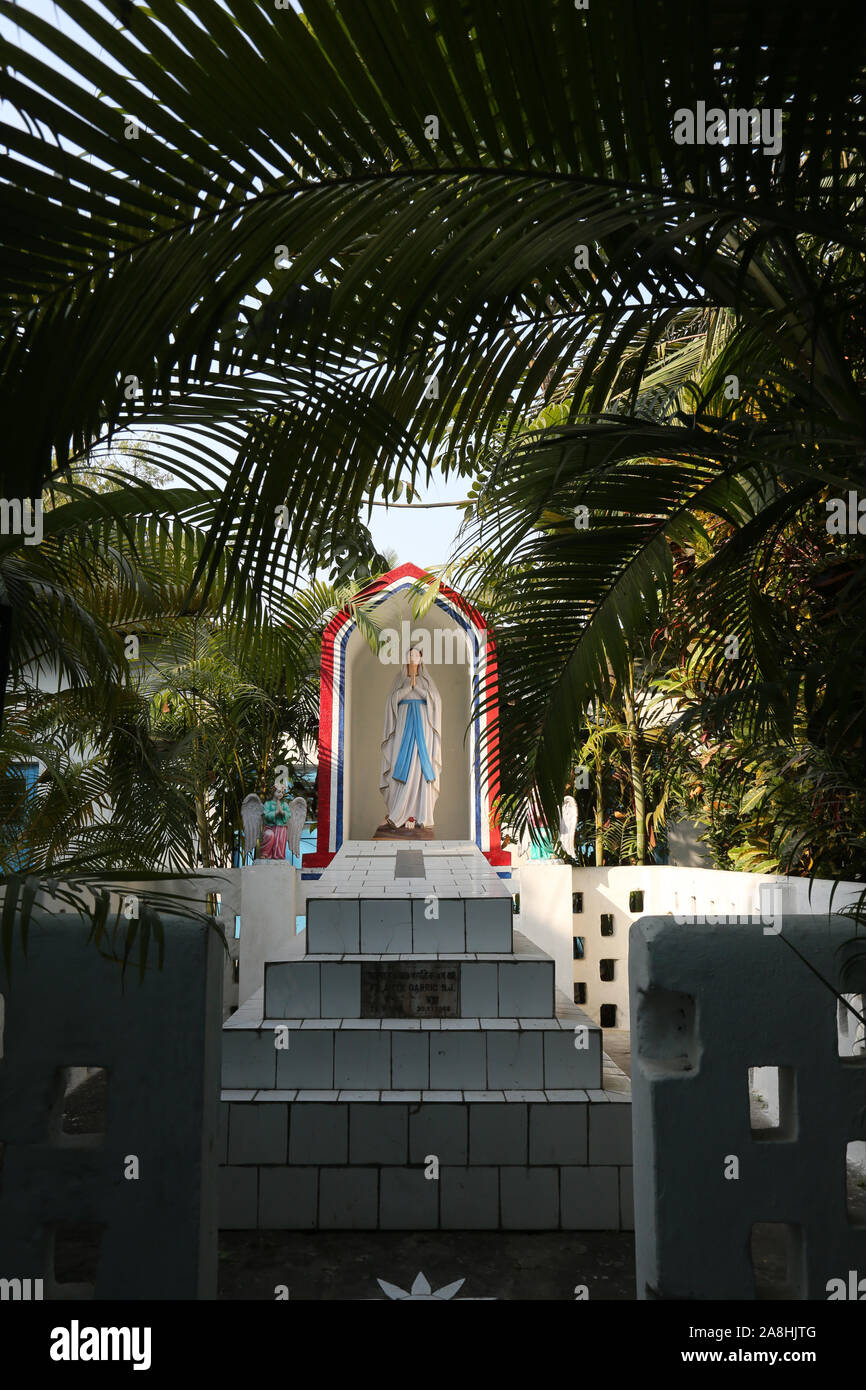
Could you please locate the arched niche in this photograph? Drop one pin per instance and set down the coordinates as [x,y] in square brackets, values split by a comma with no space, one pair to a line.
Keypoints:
[354,687]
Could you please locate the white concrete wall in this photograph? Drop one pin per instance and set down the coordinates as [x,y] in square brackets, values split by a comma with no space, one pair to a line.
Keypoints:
[268,907]
[196,888]
[545,913]
[680,892]
[710,1005]
[368,683]
[158,1040]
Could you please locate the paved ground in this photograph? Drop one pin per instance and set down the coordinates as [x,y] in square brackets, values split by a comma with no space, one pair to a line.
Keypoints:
[347,1264]
[617,1045]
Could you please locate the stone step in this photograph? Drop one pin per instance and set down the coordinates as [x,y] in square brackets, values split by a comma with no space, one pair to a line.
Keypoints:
[404,1127]
[470,986]
[510,1159]
[390,1198]
[449,1054]
[340,922]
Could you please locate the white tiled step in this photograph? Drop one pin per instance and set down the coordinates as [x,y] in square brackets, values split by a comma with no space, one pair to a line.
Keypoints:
[330,987]
[483,1128]
[482,1198]
[373,922]
[408,1054]
[371,868]
[550,1161]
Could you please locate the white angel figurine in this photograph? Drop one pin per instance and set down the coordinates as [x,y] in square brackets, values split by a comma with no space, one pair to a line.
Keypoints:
[283,823]
[568,825]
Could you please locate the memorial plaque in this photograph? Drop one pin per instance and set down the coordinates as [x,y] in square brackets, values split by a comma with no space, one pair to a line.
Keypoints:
[410,989]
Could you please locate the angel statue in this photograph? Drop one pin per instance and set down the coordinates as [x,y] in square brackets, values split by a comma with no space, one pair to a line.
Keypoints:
[411,752]
[283,822]
[568,825]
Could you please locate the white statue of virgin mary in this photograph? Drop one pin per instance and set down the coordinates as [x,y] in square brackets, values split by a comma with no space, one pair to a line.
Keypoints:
[411,747]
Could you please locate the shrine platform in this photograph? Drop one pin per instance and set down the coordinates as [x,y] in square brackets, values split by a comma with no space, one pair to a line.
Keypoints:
[417,1068]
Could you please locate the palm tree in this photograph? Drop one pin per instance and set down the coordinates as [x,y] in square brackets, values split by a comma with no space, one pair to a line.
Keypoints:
[396,225]
[151,707]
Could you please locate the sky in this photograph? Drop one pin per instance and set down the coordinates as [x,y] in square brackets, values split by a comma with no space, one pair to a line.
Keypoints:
[422,537]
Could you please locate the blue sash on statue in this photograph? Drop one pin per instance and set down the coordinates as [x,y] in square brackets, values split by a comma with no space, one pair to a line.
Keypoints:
[413,737]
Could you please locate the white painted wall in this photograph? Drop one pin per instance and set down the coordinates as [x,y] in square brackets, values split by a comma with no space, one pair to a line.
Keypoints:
[196,888]
[546,916]
[711,1004]
[267,921]
[545,913]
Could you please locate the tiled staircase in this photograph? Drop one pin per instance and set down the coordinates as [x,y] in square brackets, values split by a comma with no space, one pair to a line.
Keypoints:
[496,1114]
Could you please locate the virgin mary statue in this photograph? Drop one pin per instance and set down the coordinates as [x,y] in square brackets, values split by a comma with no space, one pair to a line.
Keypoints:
[411,749]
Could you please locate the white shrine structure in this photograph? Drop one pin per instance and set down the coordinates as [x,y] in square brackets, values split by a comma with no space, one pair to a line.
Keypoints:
[408,1061]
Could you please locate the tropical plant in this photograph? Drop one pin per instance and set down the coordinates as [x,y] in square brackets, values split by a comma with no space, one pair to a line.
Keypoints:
[396,224]
[162,708]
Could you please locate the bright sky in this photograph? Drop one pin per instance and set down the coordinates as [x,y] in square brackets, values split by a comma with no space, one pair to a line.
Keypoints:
[424,537]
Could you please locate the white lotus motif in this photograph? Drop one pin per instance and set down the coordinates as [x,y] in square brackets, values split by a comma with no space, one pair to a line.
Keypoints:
[421,1290]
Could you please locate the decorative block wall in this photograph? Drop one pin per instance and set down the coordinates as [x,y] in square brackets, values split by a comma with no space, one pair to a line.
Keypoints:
[713,1187]
[612,898]
[151,1223]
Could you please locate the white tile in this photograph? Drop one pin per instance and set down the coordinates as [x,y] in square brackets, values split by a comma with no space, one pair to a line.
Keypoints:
[386,926]
[378,1134]
[308,1061]
[248,1060]
[348,1198]
[332,926]
[610,1134]
[526,989]
[288,1199]
[237,1198]
[498,1133]
[515,1061]
[341,989]
[408,1201]
[457,1061]
[258,1134]
[410,1060]
[530,1198]
[479,989]
[318,1133]
[441,1131]
[292,989]
[590,1199]
[469,1198]
[362,1061]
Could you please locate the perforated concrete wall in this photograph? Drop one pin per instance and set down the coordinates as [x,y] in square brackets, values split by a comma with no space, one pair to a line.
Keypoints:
[144,1188]
[608,910]
[724,1210]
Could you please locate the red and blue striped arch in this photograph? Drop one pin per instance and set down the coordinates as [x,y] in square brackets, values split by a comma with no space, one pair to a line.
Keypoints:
[332,719]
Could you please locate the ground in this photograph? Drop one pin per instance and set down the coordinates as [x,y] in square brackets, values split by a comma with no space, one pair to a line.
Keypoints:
[347,1264]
